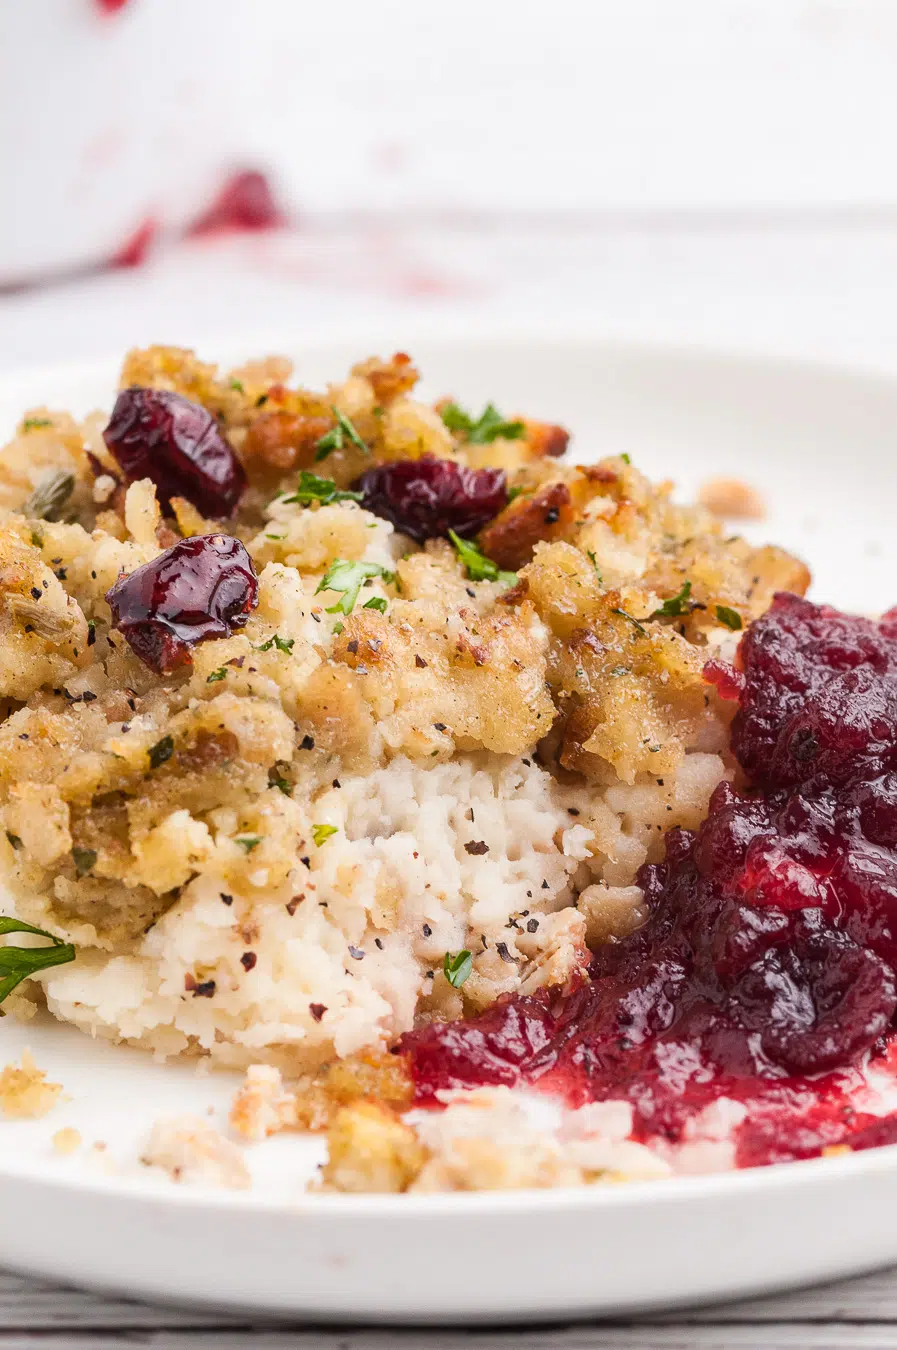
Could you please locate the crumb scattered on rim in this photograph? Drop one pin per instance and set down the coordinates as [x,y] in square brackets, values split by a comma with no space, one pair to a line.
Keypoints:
[25,1093]
[732,499]
[67,1141]
[190,1150]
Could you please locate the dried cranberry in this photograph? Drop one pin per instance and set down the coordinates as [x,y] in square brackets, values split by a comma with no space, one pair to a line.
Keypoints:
[427,497]
[198,589]
[156,434]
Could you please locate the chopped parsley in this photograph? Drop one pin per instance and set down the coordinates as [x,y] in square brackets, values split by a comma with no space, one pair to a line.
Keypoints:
[314,489]
[336,438]
[321,833]
[457,968]
[219,674]
[635,623]
[376,602]
[625,458]
[730,617]
[160,752]
[237,385]
[479,567]
[277,780]
[30,423]
[17,963]
[248,842]
[282,644]
[84,860]
[347,579]
[594,561]
[484,429]
[676,605]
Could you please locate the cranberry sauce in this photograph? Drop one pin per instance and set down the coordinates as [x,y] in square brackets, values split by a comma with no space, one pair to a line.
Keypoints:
[156,434]
[427,497]
[198,589]
[245,202]
[765,971]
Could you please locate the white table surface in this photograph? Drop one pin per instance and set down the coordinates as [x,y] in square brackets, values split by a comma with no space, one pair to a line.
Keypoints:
[793,286]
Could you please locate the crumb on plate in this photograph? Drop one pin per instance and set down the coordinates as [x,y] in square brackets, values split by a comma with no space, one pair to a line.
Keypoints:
[25,1092]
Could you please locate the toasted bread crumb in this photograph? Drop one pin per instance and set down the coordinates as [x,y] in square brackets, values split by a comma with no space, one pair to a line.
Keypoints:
[262,1106]
[25,1092]
[370,1150]
[66,1141]
[190,1150]
[732,498]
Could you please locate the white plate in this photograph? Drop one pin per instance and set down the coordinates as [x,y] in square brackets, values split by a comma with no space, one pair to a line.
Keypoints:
[821,444]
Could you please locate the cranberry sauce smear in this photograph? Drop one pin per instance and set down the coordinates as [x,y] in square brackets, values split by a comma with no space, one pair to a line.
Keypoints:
[765,971]
[200,588]
[245,202]
[156,434]
[427,497]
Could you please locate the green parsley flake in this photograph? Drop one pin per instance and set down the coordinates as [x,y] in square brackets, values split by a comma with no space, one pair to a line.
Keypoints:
[625,458]
[635,623]
[282,644]
[314,489]
[160,752]
[84,860]
[32,423]
[676,605]
[17,963]
[483,430]
[321,833]
[457,968]
[338,628]
[248,841]
[346,578]
[336,438]
[276,780]
[219,674]
[376,602]
[237,385]
[479,567]
[730,617]
[594,561]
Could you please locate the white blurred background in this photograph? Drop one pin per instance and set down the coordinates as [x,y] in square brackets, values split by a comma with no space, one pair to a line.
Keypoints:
[717,172]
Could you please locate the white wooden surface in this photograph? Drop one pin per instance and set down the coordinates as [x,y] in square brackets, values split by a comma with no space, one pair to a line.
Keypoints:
[854,1315]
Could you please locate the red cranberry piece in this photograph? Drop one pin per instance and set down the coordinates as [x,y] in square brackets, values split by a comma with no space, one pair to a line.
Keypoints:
[427,497]
[818,1006]
[198,589]
[246,202]
[156,434]
[728,682]
[487,1051]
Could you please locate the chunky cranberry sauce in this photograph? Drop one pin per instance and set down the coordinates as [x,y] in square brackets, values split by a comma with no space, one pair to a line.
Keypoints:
[156,434]
[765,972]
[427,497]
[198,589]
